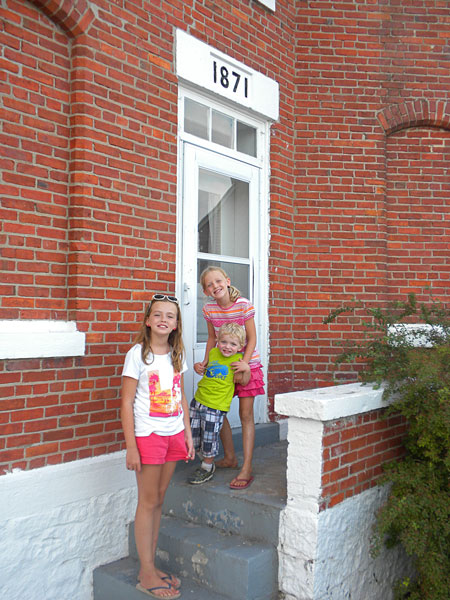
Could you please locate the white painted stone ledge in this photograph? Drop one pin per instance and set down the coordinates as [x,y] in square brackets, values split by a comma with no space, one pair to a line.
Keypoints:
[26,493]
[40,339]
[329,403]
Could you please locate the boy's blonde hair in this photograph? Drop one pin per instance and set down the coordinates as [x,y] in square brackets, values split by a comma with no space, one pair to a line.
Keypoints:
[233,291]
[235,330]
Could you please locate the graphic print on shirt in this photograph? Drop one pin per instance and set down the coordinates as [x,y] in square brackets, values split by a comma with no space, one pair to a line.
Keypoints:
[216,371]
[164,403]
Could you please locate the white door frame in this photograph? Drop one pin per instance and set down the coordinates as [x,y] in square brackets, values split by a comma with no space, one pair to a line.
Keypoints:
[188,143]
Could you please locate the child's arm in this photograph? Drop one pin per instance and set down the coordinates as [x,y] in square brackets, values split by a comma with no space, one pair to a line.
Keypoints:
[133,459]
[200,367]
[242,376]
[250,332]
[190,453]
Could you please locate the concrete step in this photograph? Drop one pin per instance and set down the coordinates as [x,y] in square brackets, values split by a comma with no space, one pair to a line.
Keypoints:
[253,512]
[117,581]
[221,542]
[228,564]
[265,433]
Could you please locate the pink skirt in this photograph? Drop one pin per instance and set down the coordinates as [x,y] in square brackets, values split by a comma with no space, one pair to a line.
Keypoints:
[254,387]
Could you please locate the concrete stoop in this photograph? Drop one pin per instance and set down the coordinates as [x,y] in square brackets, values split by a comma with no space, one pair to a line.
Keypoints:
[222,543]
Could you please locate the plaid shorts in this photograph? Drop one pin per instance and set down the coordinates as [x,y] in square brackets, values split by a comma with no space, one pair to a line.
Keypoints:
[206,424]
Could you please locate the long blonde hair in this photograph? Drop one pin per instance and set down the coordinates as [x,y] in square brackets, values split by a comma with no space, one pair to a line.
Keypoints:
[144,337]
[233,291]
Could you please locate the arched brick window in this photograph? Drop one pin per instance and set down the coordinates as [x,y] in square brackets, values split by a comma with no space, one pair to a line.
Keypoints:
[417,196]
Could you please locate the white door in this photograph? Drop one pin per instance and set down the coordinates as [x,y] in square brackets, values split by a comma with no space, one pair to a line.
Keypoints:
[221,226]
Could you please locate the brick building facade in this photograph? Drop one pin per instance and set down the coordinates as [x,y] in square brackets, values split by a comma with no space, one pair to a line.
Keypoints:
[92,186]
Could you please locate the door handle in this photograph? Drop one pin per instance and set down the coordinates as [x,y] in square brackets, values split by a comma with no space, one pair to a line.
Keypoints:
[186,299]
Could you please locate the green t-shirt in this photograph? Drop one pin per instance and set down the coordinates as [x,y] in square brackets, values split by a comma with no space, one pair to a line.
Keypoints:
[216,387]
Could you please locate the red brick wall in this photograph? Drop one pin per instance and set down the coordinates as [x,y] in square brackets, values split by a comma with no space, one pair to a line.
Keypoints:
[88,183]
[372,126]
[89,214]
[104,196]
[34,136]
[418,211]
[354,451]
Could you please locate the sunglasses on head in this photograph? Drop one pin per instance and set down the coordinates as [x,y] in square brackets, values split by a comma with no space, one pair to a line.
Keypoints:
[164,297]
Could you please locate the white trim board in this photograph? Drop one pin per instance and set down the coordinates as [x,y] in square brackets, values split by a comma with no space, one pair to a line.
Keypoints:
[202,65]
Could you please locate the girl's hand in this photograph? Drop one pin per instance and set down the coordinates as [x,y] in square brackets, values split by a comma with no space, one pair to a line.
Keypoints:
[133,460]
[199,367]
[240,366]
[190,452]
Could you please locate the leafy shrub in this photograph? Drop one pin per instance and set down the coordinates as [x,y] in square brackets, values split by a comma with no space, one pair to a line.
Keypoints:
[406,349]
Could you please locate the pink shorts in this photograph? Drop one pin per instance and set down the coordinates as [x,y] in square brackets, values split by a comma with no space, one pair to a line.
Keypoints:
[254,387]
[157,449]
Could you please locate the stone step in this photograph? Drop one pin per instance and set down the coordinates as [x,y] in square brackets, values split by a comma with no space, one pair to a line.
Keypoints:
[227,564]
[117,581]
[253,512]
[221,542]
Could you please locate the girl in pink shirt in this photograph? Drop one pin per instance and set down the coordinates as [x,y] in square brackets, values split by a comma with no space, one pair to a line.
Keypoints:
[229,306]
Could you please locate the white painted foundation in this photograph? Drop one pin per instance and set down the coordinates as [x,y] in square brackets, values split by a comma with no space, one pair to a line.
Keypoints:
[326,555]
[344,568]
[58,523]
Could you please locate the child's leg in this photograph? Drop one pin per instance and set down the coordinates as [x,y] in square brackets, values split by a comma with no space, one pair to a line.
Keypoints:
[166,475]
[152,481]
[226,437]
[195,417]
[211,424]
[248,439]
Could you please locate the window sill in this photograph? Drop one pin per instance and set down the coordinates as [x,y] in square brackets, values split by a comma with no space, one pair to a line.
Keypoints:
[269,3]
[40,339]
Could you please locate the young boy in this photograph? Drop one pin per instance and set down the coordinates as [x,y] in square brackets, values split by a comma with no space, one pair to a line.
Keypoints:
[213,397]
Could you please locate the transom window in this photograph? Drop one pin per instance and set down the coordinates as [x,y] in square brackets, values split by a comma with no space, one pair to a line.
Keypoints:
[209,124]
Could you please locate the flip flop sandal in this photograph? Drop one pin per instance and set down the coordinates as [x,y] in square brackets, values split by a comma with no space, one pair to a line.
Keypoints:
[246,483]
[172,580]
[151,591]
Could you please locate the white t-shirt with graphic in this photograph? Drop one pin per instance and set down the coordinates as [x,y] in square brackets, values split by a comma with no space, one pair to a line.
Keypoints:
[157,404]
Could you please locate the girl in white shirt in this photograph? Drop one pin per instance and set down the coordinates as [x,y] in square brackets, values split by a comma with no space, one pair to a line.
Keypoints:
[155,421]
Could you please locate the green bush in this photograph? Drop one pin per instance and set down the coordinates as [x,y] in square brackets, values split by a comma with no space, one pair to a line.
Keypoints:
[413,367]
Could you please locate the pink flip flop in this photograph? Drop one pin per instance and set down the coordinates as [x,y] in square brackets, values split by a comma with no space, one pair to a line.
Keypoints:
[234,485]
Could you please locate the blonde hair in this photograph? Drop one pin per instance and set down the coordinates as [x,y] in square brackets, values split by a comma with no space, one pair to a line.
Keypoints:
[233,291]
[237,331]
[177,351]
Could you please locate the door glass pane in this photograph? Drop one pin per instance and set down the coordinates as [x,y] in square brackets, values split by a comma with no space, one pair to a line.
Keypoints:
[246,139]
[223,220]
[222,129]
[239,276]
[196,117]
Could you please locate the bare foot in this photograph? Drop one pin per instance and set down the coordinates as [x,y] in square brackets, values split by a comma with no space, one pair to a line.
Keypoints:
[226,463]
[243,475]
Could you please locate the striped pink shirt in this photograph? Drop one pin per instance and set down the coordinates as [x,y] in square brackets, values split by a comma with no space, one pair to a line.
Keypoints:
[239,312]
